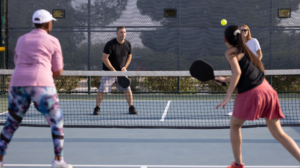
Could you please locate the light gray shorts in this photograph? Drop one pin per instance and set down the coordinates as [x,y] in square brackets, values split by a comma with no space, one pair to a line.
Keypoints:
[108,81]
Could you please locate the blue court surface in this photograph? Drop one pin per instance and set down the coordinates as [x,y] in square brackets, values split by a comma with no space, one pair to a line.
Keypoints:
[149,148]
[161,111]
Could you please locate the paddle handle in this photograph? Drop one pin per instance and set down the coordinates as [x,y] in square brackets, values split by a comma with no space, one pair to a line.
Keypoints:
[223,83]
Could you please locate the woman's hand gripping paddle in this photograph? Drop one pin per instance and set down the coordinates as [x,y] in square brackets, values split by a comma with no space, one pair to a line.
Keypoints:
[203,71]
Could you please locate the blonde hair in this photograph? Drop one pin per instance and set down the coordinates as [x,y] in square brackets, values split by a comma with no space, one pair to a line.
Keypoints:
[234,38]
[249,33]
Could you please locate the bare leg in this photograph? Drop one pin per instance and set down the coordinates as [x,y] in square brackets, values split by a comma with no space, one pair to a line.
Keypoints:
[236,138]
[128,95]
[100,96]
[286,141]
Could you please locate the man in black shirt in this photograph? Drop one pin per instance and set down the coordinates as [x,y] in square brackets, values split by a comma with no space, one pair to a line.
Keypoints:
[116,57]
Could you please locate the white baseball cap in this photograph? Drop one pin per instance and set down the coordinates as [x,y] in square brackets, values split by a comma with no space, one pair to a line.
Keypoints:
[42,16]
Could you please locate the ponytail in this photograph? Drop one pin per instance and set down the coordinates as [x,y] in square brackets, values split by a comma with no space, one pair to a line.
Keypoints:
[234,37]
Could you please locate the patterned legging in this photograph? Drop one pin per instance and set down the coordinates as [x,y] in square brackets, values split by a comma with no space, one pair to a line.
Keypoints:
[46,101]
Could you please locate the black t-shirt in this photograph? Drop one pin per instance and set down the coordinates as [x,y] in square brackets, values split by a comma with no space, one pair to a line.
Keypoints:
[117,53]
[251,75]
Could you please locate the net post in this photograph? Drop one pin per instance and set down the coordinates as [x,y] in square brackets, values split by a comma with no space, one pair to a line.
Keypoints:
[179,45]
[89,45]
[2,84]
[178,85]
[3,4]
[3,32]
[271,34]
[89,85]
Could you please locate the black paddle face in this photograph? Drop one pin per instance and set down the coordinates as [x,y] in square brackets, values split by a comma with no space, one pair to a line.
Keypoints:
[203,71]
[123,81]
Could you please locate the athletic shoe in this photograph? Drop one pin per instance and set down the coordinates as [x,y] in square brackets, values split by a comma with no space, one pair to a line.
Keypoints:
[61,164]
[235,166]
[1,164]
[132,110]
[230,113]
[96,110]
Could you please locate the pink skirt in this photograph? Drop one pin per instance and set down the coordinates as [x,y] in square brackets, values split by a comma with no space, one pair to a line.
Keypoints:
[259,102]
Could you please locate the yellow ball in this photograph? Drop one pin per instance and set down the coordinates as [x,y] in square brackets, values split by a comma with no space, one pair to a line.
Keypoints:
[223,22]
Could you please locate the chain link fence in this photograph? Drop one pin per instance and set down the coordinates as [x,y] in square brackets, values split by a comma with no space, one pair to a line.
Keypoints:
[159,42]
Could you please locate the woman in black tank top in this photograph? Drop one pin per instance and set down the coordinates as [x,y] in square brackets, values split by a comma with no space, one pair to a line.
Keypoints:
[256,98]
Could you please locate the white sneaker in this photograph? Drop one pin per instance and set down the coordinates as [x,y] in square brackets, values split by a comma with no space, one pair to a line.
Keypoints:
[230,113]
[61,164]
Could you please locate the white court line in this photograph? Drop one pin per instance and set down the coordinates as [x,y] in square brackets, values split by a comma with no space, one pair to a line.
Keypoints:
[4,112]
[143,166]
[27,120]
[165,112]
[7,111]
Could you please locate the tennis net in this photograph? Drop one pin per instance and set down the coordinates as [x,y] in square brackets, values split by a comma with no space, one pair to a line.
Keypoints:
[163,99]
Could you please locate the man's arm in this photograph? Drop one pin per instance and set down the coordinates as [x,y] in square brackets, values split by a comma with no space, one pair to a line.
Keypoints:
[127,62]
[107,62]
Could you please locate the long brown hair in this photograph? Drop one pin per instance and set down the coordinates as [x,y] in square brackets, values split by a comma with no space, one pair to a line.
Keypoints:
[249,33]
[240,44]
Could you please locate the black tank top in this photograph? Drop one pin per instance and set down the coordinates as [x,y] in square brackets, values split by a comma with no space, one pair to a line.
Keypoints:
[251,75]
